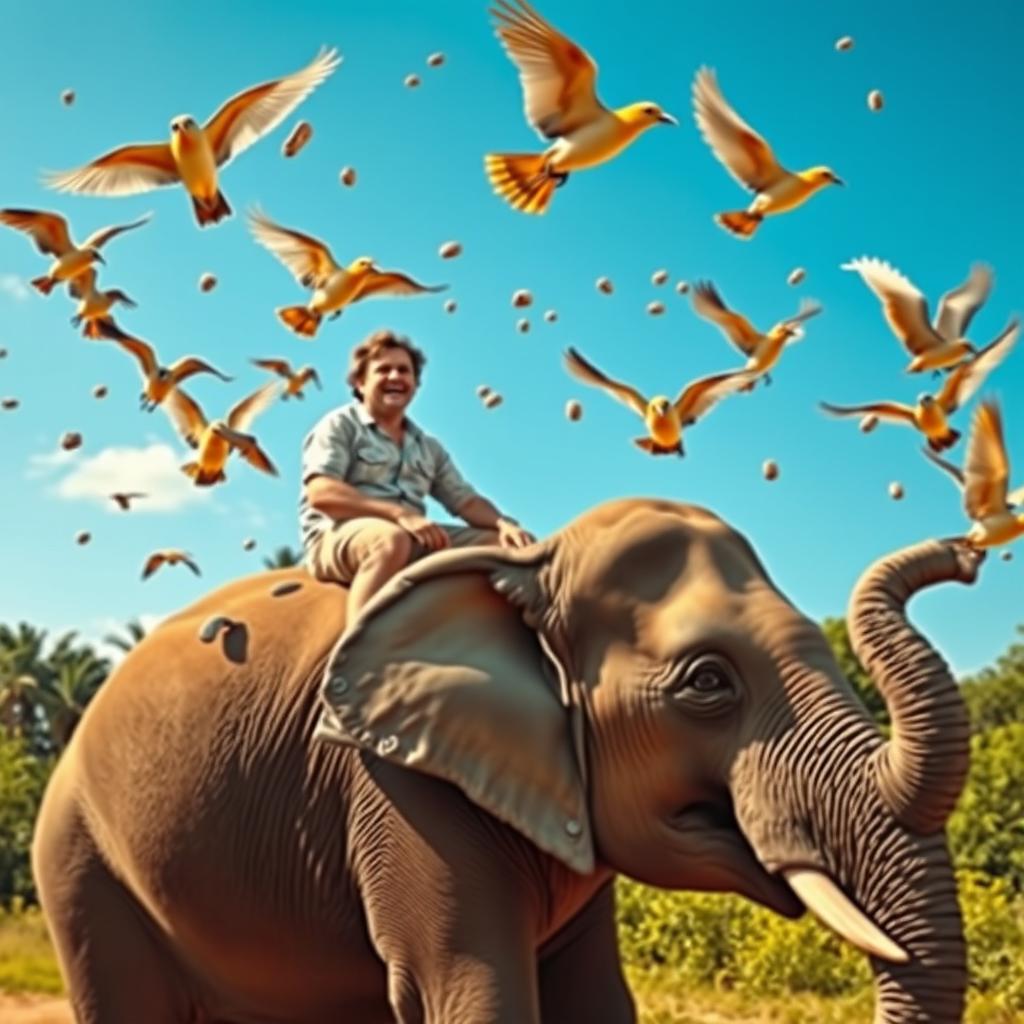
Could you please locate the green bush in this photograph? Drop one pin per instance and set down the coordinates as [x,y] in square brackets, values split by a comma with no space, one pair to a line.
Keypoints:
[22,780]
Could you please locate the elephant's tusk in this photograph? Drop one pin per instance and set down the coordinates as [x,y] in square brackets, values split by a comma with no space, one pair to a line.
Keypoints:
[834,909]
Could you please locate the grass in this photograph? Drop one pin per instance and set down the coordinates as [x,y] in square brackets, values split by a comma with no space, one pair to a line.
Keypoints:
[27,963]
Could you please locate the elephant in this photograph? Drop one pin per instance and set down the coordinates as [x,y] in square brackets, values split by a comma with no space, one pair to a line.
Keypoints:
[423,821]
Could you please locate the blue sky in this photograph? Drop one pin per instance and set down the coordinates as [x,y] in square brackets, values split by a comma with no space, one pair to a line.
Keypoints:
[932,186]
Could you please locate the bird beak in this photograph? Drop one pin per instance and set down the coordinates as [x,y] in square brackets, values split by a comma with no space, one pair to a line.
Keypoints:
[100,259]
[667,119]
[836,180]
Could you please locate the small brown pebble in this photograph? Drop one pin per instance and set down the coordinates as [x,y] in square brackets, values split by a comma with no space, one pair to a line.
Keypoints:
[493,400]
[868,423]
[450,305]
[297,140]
[248,544]
[411,81]
[770,469]
[522,298]
[450,250]
[71,440]
[844,43]
[659,277]
[682,287]
[796,275]
[655,308]
[573,410]
[1006,556]
[209,630]
[9,403]
[347,176]
[522,325]
[605,285]
[100,391]
[207,282]
[875,100]
[895,490]
[67,97]
[83,537]
[435,60]
[550,316]
[283,589]
[483,391]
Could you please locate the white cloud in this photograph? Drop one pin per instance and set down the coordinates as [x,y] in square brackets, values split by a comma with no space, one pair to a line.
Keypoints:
[14,287]
[154,470]
[46,463]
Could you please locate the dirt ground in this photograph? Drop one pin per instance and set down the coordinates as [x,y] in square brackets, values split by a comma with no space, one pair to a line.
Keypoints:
[34,1009]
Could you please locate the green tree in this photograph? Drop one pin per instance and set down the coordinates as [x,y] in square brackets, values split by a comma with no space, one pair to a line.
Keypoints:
[995,696]
[134,633]
[283,558]
[838,637]
[22,780]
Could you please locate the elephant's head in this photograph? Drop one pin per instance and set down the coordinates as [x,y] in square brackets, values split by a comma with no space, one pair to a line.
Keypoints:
[635,690]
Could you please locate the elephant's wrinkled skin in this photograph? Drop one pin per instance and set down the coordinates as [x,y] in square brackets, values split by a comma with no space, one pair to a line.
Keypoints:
[631,695]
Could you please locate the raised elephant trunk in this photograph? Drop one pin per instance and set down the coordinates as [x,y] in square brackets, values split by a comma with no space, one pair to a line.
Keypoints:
[921,771]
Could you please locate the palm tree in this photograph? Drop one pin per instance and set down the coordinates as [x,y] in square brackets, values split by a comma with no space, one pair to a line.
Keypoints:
[283,558]
[21,667]
[135,633]
[76,675]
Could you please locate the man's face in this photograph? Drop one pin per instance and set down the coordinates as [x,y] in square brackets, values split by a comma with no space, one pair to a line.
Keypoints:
[389,383]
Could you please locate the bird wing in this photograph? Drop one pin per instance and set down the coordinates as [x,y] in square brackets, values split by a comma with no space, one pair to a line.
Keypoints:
[188,560]
[309,373]
[100,238]
[744,153]
[590,374]
[391,282]
[142,350]
[279,366]
[952,470]
[1016,497]
[186,416]
[139,167]
[893,411]
[187,366]
[905,308]
[558,77]
[808,308]
[48,230]
[248,447]
[697,398]
[958,306]
[707,302]
[82,284]
[965,379]
[153,563]
[986,467]
[242,414]
[309,260]
[250,115]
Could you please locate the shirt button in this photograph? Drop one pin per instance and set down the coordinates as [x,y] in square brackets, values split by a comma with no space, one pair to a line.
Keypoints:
[388,745]
[574,828]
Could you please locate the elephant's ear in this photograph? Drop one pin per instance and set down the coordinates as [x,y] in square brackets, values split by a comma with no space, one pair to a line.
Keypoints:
[442,673]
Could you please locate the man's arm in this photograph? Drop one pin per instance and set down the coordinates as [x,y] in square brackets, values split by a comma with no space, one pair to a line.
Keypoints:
[478,511]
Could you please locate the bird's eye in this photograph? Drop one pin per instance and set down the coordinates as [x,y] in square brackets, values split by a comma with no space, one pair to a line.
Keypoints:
[174,127]
[708,685]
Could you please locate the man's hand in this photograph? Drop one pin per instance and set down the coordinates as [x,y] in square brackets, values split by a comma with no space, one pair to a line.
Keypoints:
[429,534]
[512,535]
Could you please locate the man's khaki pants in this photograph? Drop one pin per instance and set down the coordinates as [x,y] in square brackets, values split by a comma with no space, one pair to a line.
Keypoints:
[339,551]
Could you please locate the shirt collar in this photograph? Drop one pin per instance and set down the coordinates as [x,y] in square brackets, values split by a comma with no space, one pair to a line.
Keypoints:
[364,417]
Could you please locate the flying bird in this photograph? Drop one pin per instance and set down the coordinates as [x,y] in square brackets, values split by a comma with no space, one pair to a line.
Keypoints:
[94,305]
[158,381]
[214,440]
[124,499]
[933,346]
[195,152]
[747,156]
[997,517]
[297,379]
[334,287]
[929,415]
[665,419]
[52,237]
[169,556]
[560,101]
[762,350]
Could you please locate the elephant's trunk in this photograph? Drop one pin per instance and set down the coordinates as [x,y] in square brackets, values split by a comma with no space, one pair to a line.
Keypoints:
[921,770]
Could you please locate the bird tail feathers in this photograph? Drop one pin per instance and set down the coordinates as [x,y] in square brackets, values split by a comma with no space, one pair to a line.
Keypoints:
[102,327]
[940,444]
[211,214]
[202,478]
[44,284]
[522,180]
[740,222]
[304,322]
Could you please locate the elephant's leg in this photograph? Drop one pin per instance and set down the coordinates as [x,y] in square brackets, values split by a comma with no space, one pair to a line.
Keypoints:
[449,905]
[581,980]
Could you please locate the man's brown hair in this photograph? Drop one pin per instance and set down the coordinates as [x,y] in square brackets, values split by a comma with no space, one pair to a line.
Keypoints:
[372,347]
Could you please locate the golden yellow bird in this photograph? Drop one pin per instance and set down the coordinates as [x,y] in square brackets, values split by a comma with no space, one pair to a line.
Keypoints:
[50,233]
[297,379]
[194,152]
[934,346]
[665,419]
[334,287]
[215,440]
[158,381]
[169,556]
[94,306]
[560,99]
[762,350]
[929,415]
[750,160]
[984,480]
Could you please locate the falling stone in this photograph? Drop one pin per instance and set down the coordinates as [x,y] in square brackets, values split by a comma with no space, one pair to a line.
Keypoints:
[296,141]
[796,276]
[493,400]
[770,469]
[411,81]
[875,100]
[450,305]
[71,440]
[83,537]
[100,391]
[450,250]
[655,308]
[522,325]
[347,176]
[605,285]
[896,490]
[3,353]
[1006,556]
[573,410]
[435,60]
[9,404]
[550,316]
[682,287]
[521,299]
[288,587]
[483,391]
[207,282]
[659,277]
[248,544]
[844,43]
[67,97]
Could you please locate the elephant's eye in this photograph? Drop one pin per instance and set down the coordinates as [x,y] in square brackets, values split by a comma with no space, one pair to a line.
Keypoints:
[708,684]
